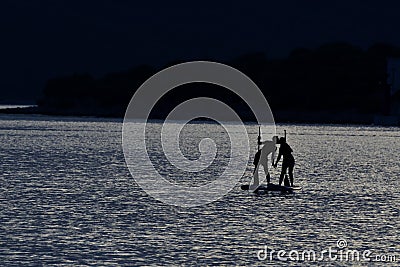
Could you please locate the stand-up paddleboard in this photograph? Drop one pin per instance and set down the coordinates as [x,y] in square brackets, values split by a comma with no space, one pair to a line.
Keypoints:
[273,187]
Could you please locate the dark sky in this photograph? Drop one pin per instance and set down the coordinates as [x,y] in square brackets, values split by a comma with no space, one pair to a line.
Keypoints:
[46,38]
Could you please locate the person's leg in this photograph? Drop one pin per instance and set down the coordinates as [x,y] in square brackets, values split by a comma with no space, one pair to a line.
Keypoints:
[267,173]
[291,167]
[283,172]
[255,181]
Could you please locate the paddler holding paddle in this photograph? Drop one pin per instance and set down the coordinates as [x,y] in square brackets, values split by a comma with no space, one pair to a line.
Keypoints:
[261,158]
[285,151]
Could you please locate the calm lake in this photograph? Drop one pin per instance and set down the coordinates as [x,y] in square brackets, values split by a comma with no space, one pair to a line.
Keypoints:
[67,198]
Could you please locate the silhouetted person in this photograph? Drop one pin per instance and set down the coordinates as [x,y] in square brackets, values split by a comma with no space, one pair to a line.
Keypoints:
[285,151]
[268,148]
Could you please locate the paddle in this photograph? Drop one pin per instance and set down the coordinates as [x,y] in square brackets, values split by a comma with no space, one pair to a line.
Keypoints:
[258,153]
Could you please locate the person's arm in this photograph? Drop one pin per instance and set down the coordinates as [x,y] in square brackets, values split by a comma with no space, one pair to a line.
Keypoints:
[261,142]
[279,158]
[273,157]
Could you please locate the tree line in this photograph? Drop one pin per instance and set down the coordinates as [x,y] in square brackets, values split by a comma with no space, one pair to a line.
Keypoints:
[333,77]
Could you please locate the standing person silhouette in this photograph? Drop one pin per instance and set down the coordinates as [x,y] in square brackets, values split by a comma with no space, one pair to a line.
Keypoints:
[268,148]
[288,160]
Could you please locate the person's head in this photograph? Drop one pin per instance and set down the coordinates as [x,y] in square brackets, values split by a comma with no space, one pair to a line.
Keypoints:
[275,139]
[282,140]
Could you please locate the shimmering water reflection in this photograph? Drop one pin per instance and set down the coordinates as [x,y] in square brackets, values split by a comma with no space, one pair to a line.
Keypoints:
[67,198]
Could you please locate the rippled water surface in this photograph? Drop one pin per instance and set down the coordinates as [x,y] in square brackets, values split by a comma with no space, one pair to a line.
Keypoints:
[67,198]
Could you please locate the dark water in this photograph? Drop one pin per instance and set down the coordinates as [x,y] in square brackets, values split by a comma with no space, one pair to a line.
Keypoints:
[67,198]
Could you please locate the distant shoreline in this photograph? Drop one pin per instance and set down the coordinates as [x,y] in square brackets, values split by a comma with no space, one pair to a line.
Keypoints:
[12,106]
[303,117]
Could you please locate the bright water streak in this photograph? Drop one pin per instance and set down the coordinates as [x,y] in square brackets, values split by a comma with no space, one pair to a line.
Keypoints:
[67,198]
